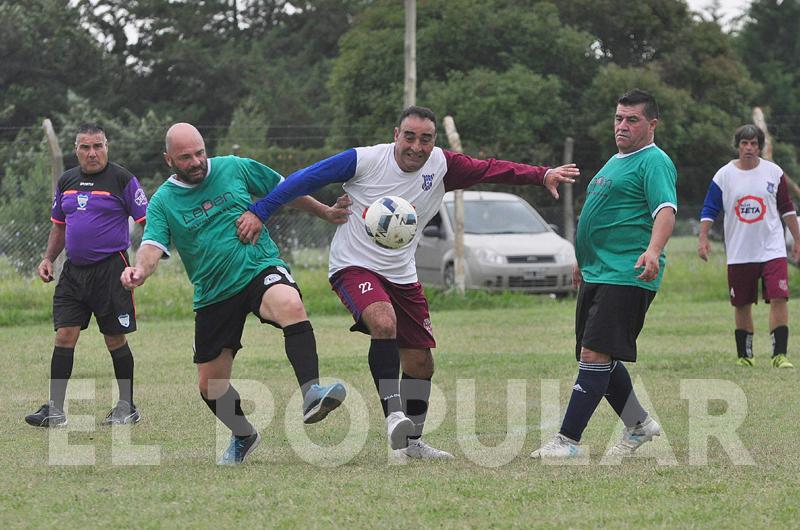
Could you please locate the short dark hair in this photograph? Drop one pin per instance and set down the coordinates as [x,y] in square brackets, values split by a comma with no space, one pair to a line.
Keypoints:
[421,112]
[748,132]
[89,128]
[637,97]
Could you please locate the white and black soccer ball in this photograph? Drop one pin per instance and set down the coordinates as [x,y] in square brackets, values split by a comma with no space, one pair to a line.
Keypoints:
[391,222]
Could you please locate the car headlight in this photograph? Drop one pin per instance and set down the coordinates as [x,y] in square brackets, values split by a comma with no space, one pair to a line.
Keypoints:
[488,256]
[566,255]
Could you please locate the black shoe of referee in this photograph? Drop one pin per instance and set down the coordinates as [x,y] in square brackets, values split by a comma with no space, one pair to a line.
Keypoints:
[48,415]
[122,414]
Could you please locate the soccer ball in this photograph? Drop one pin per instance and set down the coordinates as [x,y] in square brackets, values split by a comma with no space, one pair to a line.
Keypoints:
[391,222]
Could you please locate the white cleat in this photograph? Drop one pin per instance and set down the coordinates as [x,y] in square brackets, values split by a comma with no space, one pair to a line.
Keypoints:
[635,437]
[399,427]
[559,447]
[418,449]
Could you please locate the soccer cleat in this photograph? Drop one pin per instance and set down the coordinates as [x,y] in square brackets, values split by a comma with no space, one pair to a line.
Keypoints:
[420,450]
[745,361]
[47,416]
[559,447]
[399,427]
[320,400]
[635,437]
[780,361]
[239,448]
[123,413]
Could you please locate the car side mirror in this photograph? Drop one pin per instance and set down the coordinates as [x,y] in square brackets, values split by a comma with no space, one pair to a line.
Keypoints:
[554,227]
[432,231]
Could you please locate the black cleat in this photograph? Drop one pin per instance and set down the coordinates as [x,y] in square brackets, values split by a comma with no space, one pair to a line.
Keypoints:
[47,416]
[122,414]
[239,448]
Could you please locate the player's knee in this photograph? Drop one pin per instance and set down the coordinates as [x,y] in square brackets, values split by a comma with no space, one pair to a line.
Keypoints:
[67,337]
[591,356]
[382,327]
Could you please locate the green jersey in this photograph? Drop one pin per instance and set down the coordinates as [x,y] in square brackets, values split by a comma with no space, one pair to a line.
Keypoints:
[200,222]
[617,219]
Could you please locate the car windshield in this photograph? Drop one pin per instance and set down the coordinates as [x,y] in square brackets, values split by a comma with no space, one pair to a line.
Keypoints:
[498,217]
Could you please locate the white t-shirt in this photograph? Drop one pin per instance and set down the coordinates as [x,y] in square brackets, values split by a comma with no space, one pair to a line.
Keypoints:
[753,202]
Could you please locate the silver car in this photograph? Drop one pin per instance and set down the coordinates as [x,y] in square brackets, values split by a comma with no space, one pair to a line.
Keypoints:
[508,246]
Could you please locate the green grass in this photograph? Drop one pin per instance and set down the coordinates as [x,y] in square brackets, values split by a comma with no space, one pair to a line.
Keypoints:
[687,342]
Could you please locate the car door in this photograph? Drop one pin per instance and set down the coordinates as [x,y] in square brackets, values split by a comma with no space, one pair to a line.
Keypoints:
[433,245]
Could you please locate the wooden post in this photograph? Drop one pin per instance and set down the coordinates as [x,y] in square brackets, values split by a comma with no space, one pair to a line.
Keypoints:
[566,195]
[56,170]
[458,261]
[410,52]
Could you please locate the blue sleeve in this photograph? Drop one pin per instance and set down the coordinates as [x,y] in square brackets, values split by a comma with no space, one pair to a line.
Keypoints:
[338,168]
[712,205]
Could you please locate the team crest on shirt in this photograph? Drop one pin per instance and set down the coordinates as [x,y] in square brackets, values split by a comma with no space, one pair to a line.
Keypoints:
[83,200]
[427,182]
[140,198]
[770,187]
[750,209]
[124,320]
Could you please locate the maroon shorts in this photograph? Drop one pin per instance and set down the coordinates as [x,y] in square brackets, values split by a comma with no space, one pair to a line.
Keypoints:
[358,288]
[743,281]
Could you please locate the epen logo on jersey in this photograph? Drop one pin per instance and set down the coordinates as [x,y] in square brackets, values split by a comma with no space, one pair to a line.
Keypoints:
[427,182]
[204,210]
[750,209]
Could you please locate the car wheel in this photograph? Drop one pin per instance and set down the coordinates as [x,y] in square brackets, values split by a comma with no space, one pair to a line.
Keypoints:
[449,276]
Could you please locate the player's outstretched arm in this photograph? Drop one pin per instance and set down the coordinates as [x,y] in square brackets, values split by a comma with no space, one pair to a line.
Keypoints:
[555,176]
[146,262]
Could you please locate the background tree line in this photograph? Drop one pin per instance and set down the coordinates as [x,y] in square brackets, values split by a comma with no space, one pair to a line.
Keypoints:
[291,82]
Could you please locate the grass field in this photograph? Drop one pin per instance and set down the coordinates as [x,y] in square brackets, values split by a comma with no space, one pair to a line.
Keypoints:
[516,345]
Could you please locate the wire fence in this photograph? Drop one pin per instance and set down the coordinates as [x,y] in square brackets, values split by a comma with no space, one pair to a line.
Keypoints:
[304,239]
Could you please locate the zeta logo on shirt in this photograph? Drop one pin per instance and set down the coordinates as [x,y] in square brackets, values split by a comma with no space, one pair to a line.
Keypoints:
[750,209]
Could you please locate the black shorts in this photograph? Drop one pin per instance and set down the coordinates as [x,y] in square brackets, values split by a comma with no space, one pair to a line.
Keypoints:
[608,319]
[83,290]
[220,325]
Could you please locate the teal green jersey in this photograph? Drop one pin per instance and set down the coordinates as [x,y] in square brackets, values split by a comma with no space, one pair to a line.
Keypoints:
[199,221]
[617,219]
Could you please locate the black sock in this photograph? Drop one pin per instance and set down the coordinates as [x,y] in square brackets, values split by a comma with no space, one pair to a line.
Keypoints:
[228,408]
[301,349]
[744,343]
[384,365]
[415,394]
[123,371]
[589,389]
[780,340]
[60,372]
[622,398]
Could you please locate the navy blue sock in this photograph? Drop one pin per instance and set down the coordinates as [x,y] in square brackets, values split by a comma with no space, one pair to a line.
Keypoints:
[622,398]
[384,364]
[589,389]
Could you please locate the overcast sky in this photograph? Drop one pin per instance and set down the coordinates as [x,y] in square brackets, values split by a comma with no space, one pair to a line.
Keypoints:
[728,8]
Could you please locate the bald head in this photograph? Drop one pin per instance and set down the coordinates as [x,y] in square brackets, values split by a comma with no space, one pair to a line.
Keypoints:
[186,153]
[181,133]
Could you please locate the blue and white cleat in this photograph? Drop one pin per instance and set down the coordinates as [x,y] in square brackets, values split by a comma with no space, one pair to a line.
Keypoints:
[239,448]
[320,400]
[559,447]
[634,437]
